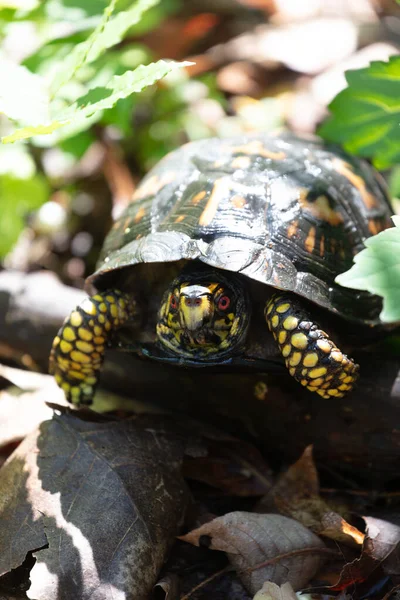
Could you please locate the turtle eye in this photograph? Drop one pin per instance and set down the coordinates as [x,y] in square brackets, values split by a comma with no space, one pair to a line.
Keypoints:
[224,302]
[174,302]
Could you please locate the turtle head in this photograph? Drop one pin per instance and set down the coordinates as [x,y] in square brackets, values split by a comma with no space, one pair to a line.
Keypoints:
[203,315]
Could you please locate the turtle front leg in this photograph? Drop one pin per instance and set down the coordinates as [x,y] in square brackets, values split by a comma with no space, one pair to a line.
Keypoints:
[78,350]
[310,355]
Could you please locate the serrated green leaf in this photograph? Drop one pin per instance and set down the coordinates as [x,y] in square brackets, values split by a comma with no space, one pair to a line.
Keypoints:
[121,86]
[78,57]
[366,115]
[101,98]
[117,27]
[18,198]
[108,33]
[377,270]
[28,132]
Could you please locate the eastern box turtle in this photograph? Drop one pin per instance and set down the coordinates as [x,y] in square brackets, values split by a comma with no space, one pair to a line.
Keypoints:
[189,273]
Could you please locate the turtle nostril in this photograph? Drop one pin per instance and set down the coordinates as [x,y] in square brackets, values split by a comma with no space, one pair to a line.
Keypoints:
[192,301]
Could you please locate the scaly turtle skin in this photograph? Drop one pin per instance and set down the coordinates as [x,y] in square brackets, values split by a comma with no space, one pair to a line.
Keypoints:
[189,272]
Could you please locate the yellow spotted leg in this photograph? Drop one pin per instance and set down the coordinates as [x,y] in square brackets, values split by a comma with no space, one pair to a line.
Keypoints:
[78,350]
[310,355]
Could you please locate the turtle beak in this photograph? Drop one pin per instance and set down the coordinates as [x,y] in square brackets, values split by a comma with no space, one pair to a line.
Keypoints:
[194,308]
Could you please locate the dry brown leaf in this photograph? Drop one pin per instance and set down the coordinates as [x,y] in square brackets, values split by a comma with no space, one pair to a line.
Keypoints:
[271,591]
[263,547]
[234,466]
[168,587]
[381,542]
[99,504]
[296,495]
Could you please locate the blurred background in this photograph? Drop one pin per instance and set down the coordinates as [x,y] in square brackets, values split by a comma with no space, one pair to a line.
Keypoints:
[259,65]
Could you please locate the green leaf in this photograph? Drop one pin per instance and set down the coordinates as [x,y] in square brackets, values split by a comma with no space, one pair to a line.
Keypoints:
[117,27]
[376,269]
[121,86]
[78,57]
[101,98]
[18,198]
[366,115]
[108,33]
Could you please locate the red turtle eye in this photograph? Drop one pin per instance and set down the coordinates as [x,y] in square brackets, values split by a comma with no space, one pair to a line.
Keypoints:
[224,302]
[174,301]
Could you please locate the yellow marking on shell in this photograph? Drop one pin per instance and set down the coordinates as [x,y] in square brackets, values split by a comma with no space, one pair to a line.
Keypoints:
[310,359]
[220,189]
[292,229]
[75,366]
[344,387]
[110,299]
[292,371]
[282,337]
[103,307]
[304,372]
[80,357]
[241,162]
[122,303]
[282,308]
[85,334]
[91,380]
[309,243]
[89,307]
[76,319]
[374,226]
[77,374]
[56,341]
[275,321]
[180,219]
[65,386]
[65,347]
[295,359]
[348,379]
[75,390]
[312,388]
[152,185]
[238,201]
[320,208]
[198,198]
[286,350]
[99,339]
[345,169]
[290,323]
[114,311]
[140,214]
[97,330]
[299,340]
[58,378]
[98,297]
[107,326]
[68,334]
[324,345]
[84,347]
[337,356]
[257,147]
[322,246]
[318,372]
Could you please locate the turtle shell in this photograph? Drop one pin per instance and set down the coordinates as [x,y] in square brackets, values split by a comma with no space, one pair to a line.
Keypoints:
[285,211]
